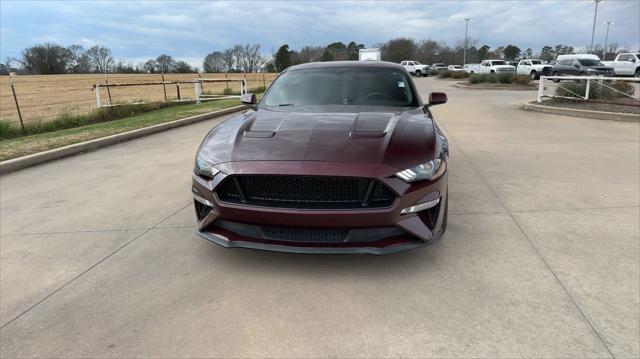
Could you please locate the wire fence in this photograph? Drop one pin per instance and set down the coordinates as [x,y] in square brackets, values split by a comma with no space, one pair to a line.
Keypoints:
[46,97]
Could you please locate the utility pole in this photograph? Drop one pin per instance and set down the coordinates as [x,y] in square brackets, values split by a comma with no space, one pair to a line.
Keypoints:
[606,39]
[466,32]
[595,16]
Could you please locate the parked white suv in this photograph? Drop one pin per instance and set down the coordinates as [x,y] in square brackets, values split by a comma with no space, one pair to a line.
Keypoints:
[491,67]
[455,68]
[626,64]
[415,68]
[533,68]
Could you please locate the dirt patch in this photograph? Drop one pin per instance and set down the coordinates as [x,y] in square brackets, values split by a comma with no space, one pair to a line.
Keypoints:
[594,106]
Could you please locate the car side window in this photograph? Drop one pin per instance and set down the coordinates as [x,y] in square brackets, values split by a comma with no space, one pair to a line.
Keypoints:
[624,58]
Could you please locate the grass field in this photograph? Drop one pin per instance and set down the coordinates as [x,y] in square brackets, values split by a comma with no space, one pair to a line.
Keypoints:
[16,147]
[46,97]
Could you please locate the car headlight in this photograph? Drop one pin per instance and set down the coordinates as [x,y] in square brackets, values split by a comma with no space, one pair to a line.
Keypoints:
[204,168]
[421,172]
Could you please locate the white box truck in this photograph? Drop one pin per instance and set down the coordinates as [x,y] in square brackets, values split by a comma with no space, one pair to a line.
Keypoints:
[369,55]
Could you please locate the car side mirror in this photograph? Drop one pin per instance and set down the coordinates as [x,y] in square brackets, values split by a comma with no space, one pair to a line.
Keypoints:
[436,98]
[632,60]
[576,66]
[248,99]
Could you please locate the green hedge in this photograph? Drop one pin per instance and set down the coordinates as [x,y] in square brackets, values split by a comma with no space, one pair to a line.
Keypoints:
[596,91]
[501,78]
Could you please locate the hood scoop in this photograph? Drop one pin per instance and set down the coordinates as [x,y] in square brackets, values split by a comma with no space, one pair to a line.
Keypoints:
[264,128]
[372,125]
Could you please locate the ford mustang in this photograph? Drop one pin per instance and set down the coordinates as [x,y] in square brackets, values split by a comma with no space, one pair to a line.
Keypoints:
[336,157]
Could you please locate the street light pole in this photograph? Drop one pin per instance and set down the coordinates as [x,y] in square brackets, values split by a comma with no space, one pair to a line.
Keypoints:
[466,32]
[606,40]
[593,31]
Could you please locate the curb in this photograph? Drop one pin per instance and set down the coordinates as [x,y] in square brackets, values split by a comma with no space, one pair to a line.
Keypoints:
[18,163]
[595,115]
[461,85]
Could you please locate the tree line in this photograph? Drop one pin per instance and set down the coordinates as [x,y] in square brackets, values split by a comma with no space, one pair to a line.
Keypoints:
[52,58]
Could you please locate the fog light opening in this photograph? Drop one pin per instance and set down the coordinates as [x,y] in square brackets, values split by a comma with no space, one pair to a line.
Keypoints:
[202,210]
[421,206]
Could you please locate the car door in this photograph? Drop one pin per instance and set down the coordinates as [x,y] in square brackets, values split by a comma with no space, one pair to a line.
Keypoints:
[524,67]
[626,64]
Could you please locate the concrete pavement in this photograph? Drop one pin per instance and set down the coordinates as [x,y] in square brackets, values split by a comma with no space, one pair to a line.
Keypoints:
[541,257]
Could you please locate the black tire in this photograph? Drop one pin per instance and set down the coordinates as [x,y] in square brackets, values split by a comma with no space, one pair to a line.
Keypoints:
[637,73]
[534,75]
[418,73]
[555,74]
[492,72]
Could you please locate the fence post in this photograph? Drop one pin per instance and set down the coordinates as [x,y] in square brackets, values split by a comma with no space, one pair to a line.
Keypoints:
[201,85]
[264,81]
[586,91]
[178,90]
[198,90]
[15,98]
[98,103]
[226,77]
[540,89]
[108,91]
[164,88]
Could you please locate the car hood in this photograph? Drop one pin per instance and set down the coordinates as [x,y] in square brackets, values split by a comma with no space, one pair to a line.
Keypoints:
[398,139]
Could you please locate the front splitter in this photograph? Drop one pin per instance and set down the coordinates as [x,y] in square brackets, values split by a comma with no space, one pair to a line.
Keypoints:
[225,242]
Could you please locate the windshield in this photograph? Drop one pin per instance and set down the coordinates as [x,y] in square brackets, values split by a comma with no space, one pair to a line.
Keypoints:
[498,63]
[536,62]
[589,62]
[341,86]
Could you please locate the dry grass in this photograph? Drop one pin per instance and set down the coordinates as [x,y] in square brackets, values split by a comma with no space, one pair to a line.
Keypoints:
[45,97]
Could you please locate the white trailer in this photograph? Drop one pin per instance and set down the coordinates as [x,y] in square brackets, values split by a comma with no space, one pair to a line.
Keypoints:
[369,55]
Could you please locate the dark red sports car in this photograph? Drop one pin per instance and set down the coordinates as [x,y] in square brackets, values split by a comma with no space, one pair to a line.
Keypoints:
[337,157]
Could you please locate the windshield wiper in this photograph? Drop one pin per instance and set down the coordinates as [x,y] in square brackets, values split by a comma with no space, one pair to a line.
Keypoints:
[286,104]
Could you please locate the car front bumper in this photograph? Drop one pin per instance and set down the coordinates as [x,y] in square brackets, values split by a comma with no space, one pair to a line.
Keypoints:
[235,225]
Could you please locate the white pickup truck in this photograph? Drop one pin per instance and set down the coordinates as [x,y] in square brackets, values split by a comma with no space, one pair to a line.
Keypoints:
[626,64]
[415,68]
[490,67]
[533,68]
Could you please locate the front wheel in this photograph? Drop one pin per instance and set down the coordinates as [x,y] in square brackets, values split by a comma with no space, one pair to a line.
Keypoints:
[637,74]
[492,72]
[533,75]
[418,73]
[555,80]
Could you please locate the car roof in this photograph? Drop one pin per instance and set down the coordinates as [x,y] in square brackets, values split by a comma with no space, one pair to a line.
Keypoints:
[578,56]
[346,64]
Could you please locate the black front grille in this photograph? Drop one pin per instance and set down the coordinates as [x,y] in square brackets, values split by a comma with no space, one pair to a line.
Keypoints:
[310,192]
[309,234]
[305,234]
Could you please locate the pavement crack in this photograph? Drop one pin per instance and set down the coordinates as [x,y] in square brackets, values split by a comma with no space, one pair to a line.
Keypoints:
[92,267]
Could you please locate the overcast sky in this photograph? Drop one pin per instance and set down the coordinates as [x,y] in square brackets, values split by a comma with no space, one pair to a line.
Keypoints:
[136,30]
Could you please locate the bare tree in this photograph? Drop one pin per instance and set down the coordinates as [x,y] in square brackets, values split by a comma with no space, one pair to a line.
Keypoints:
[165,63]
[237,51]
[214,62]
[228,59]
[150,66]
[100,57]
[46,59]
[251,58]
